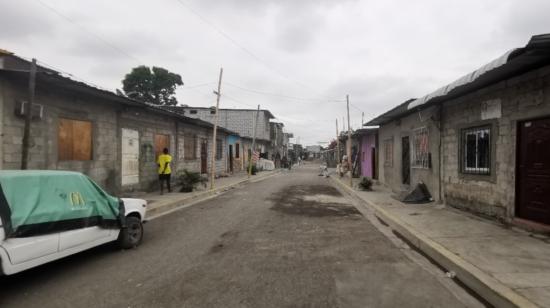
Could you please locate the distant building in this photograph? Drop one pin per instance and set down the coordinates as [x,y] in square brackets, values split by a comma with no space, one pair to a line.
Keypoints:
[269,135]
[314,151]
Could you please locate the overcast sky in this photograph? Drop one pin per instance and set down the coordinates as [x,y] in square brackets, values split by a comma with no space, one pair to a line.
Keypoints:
[305,55]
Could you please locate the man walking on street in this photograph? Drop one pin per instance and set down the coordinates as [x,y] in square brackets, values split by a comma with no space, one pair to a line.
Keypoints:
[164,171]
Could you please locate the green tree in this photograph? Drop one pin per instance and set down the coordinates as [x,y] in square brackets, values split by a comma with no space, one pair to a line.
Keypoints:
[156,85]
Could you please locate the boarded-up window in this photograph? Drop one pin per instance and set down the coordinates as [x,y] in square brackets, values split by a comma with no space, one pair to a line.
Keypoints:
[74,140]
[190,146]
[237,150]
[219,149]
[161,142]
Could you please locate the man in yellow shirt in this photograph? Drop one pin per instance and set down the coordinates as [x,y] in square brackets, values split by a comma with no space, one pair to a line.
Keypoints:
[164,171]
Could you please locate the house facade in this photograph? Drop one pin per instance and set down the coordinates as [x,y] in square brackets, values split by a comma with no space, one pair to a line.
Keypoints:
[368,138]
[240,121]
[110,138]
[481,143]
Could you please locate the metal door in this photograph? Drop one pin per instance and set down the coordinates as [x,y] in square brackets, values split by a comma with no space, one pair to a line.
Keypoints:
[130,156]
[533,172]
[204,156]
[406,161]
[230,158]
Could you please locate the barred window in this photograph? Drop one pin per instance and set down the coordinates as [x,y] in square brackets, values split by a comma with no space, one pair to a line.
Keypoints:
[476,150]
[190,146]
[388,153]
[421,150]
[219,149]
[237,150]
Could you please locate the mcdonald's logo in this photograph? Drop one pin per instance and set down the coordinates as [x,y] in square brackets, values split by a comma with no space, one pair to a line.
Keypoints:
[76,199]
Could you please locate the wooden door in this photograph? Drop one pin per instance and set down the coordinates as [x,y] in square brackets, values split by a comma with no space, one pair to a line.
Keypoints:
[230,158]
[406,161]
[161,142]
[204,156]
[533,172]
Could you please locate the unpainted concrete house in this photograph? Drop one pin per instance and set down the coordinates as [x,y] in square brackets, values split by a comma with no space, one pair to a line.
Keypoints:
[481,143]
[241,121]
[112,139]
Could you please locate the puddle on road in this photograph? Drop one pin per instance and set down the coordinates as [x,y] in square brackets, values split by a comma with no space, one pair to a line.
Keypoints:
[313,201]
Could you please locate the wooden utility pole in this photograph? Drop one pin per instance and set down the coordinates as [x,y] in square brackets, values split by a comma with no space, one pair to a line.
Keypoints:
[349,147]
[214,141]
[28,117]
[337,144]
[253,142]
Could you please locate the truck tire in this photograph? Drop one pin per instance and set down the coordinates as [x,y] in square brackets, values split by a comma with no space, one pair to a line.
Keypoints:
[132,234]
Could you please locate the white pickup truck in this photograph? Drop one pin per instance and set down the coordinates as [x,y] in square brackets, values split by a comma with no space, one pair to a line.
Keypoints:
[19,253]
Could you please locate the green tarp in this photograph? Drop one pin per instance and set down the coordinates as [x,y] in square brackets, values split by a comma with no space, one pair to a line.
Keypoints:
[38,202]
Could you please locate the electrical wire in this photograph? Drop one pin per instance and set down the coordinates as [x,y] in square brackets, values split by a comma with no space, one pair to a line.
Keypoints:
[280,95]
[240,46]
[95,35]
[220,32]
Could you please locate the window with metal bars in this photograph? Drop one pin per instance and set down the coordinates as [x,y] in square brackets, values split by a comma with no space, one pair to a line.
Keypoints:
[476,150]
[421,151]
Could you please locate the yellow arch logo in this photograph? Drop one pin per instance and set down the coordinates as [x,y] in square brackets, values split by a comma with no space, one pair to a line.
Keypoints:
[76,199]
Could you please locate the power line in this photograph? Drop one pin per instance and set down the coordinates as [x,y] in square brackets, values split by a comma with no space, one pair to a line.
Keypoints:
[229,38]
[240,46]
[200,85]
[95,35]
[280,95]
[238,101]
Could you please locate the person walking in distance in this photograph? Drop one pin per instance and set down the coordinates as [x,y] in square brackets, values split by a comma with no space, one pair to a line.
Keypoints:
[164,171]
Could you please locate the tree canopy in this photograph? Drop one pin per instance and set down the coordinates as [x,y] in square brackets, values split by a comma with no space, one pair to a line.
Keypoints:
[156,85]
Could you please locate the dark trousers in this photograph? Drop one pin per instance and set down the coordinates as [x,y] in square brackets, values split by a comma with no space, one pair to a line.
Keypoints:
[164,178]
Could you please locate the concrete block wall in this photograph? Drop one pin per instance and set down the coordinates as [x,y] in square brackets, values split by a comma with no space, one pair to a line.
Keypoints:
[391,176]
[108,119]
[148,125]
[239,121]
[44,133]
[522,98]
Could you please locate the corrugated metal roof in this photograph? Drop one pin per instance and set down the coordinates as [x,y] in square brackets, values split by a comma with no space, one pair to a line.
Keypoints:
[534,55]
[64,82]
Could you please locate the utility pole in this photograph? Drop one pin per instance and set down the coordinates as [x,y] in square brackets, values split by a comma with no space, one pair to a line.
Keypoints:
[349,147]
[337,143]
[253,142]
[362,119]
[214,145]
[28,117]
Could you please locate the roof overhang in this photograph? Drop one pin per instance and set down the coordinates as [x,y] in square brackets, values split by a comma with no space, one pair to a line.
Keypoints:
[58,81]
[513,63]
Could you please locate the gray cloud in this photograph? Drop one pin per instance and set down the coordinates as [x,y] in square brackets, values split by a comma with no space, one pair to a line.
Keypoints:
[380,53]
[12,15]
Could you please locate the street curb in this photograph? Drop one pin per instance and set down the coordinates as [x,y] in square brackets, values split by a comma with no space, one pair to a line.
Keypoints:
[487,287]
[170,207]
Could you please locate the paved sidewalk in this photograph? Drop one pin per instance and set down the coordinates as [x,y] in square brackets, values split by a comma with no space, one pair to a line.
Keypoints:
[507,266]
[159,204]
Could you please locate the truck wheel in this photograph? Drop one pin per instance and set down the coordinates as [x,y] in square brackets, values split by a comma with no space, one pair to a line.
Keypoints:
[132,235]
